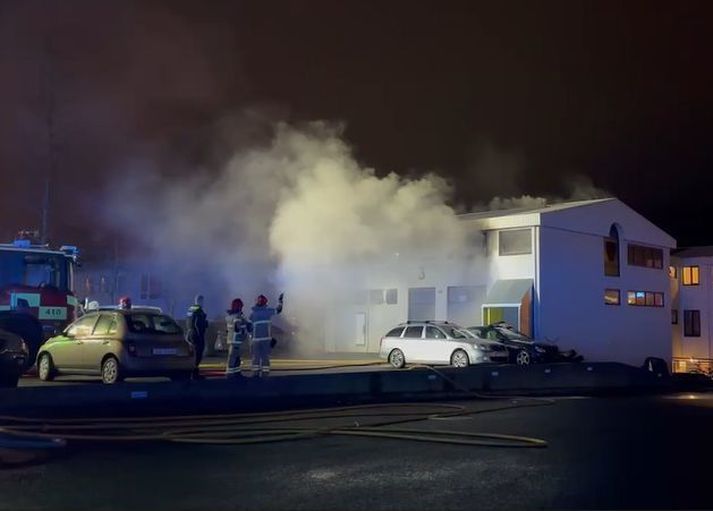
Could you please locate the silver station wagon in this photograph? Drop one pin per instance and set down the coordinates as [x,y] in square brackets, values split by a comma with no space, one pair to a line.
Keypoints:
[438,342]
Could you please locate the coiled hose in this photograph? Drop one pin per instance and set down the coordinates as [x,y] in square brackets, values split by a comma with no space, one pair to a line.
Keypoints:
[255,428]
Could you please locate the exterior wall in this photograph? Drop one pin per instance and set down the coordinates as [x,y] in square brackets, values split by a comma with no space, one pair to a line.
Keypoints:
[509,266]
[700,298]
[570,298]
[340,332]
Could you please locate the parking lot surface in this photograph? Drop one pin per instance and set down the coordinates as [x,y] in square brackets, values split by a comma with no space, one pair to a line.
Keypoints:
[627,452]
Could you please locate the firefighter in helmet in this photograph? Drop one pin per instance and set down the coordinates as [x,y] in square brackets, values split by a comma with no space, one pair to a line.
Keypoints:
[262,343]
[237,329]
[124,303]
[196,326]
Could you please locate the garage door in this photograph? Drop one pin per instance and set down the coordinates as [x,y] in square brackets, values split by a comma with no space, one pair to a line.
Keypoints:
[421,303]
[465,305]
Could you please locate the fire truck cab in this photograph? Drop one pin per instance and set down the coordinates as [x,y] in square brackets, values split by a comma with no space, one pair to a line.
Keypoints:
[36,291]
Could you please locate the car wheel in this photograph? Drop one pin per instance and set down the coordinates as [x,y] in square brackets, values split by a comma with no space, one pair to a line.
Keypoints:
[460,359]
[523,358]
[396,358]
[45,368]
[9,380]
[111,372]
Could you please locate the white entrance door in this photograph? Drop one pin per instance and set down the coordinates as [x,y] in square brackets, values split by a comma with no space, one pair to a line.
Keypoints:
[360,329]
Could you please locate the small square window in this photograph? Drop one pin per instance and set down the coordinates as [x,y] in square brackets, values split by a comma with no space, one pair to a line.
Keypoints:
[392,296]
[640,298]
[376,296]
[612,297]
[658,299]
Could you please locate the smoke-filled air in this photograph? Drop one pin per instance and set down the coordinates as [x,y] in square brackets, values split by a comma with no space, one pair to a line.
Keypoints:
[298,215]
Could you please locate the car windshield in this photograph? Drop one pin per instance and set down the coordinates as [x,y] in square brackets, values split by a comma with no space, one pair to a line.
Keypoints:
[467,333]
[149,323]
[513,335]
[34,269]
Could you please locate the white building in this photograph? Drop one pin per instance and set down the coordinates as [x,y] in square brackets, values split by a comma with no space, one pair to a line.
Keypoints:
[589,275]
[692,305]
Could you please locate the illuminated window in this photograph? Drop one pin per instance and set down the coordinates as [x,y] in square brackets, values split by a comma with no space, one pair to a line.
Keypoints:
[674,316]
[612,297]
[691,275]
[692,323]
[645,298]
[672,272]
[646,257]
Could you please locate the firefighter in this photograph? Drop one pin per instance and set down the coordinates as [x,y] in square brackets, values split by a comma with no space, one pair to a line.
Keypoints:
[196,326]
[261,319]
[238,328]
[124,303]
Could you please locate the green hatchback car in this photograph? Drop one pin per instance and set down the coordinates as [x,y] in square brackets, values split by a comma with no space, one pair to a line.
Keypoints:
[118,344]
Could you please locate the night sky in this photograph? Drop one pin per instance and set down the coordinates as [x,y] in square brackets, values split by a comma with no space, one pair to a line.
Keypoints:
[502,98]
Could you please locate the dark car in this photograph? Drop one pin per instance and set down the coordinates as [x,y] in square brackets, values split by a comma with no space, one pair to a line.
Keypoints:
[523,349]
[13,356]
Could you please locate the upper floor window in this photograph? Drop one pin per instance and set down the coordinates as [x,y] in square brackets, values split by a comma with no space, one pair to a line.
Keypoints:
[691,275]
[645,298]
[515,242]
[672,272]
[692,323]
[611,253]
[612,297]
[647,257]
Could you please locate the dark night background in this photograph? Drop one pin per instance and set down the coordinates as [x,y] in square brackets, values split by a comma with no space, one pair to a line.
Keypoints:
[616,91]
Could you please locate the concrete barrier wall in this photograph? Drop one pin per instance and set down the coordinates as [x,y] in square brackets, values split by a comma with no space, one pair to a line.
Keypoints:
[300,390]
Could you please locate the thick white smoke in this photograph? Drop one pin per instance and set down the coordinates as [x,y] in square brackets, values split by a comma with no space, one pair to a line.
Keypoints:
[298,215]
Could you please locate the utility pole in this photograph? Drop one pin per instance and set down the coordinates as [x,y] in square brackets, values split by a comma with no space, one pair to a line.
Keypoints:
[49,80]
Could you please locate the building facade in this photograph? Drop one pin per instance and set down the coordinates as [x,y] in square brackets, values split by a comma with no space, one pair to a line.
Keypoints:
[691,274]
[589,275]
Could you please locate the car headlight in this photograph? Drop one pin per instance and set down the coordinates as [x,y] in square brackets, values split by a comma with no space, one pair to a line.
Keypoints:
[482,346]
[540,349]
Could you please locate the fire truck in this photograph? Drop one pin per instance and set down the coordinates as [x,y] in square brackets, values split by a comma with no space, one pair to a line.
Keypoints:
[36,291]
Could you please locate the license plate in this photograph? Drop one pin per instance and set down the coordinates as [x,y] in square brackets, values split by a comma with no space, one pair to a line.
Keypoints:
[164,351]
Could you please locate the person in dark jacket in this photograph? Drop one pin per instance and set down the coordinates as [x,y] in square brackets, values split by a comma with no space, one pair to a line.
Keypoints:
[261,319]
[238,329]
[196,326]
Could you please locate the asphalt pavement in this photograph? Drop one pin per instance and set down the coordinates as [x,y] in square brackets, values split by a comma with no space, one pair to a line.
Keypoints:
[602,453]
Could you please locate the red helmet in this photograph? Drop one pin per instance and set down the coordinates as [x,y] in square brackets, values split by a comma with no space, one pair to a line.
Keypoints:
[261,300]
[124,302]
[236,305]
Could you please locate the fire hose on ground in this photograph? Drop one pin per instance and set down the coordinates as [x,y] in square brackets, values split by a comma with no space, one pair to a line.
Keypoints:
[385,421]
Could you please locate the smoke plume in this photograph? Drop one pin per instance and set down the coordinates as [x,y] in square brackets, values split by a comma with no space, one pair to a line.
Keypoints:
[298,214]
